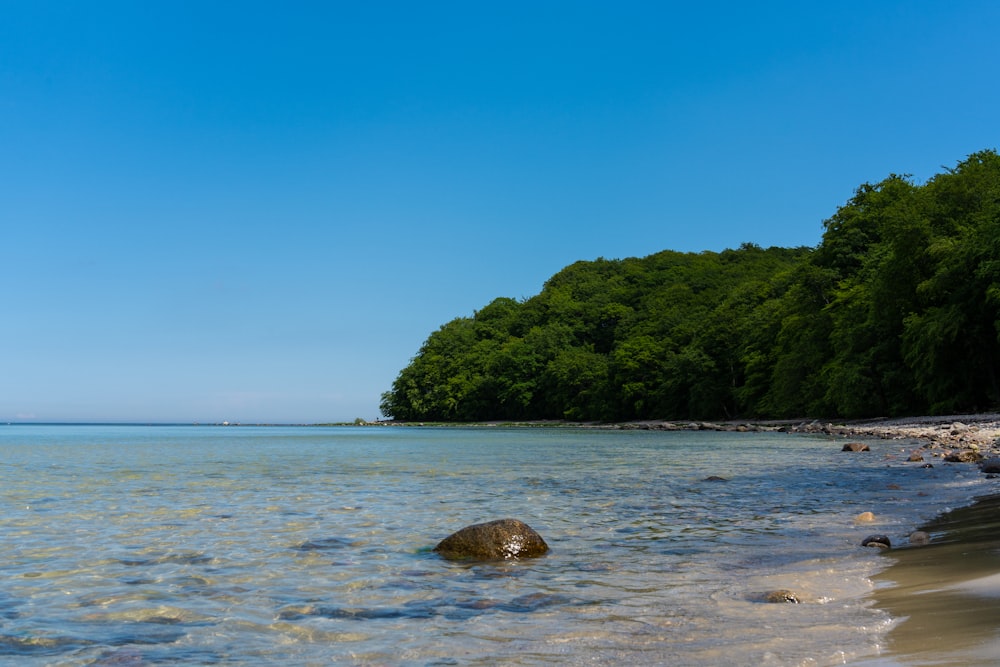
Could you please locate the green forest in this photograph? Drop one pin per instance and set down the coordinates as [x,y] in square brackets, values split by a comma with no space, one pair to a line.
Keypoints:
[895,312]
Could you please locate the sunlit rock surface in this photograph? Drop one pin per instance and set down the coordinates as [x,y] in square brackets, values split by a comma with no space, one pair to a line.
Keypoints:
[494,540]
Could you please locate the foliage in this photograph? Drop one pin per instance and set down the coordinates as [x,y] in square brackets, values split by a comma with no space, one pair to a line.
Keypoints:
[896,311]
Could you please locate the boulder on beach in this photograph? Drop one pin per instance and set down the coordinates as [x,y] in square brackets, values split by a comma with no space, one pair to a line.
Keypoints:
[856,447]
[503,539]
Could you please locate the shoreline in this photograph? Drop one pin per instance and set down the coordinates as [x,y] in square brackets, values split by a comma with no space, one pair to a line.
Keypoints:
[943,595]
[980,431]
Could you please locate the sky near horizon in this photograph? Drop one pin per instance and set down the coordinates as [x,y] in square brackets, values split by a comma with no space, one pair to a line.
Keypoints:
[257,212]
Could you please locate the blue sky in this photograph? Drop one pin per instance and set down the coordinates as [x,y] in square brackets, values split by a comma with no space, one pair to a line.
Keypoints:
[257,212]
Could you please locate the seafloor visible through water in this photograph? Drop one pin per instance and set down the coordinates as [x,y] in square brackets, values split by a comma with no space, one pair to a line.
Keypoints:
[125,545]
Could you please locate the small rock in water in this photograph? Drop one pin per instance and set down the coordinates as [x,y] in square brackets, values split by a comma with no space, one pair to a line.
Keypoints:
[915,456]
[879,541]
[715,478]
[864,517]
[781,595]
[856,447]
[919,537]
[964,456]
[990,465]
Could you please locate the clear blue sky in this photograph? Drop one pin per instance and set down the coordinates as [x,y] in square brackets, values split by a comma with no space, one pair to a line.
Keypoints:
[258,211]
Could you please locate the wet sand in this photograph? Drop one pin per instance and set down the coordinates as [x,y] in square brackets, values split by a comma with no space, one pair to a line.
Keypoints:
[947,593]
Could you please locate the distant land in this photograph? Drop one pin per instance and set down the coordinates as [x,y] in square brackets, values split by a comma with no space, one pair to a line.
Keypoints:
[896,312]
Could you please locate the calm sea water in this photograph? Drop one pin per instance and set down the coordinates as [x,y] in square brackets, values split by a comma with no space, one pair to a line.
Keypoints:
[128,545]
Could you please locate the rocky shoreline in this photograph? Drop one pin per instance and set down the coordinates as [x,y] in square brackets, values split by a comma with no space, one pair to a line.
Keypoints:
[981,430]
[956,438]
[953,438]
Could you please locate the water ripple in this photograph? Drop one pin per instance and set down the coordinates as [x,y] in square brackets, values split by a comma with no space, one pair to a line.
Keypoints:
[154,545]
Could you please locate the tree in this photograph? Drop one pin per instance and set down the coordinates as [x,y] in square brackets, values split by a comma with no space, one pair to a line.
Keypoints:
[896,311]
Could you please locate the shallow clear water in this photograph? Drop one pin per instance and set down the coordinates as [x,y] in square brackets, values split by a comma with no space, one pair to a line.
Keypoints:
[128,545]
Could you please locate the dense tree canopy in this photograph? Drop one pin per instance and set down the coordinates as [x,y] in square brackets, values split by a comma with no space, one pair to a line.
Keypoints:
[895,312]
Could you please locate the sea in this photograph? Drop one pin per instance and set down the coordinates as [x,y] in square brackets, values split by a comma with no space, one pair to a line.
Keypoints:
[244,545]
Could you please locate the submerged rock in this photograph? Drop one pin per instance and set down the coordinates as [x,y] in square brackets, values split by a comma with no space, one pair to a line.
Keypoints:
[781,595]
[494,540]
[919,537]
[865,517]
[856,447]
[878,541]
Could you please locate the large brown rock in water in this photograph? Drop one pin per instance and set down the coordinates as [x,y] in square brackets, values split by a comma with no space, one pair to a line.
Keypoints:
[494,540]
[964,456]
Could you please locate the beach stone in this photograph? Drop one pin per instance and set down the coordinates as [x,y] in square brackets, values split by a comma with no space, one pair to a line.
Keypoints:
[919,537]
[503,539]
[879,541]
[864,517]
[915,456]
[856,447]
[990,465]
[964,456]
[781,595]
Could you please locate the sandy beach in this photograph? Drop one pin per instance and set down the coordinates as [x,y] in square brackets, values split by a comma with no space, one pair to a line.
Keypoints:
[946,593]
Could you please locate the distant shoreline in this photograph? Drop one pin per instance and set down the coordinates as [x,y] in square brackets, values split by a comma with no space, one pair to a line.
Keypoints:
[978,431]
